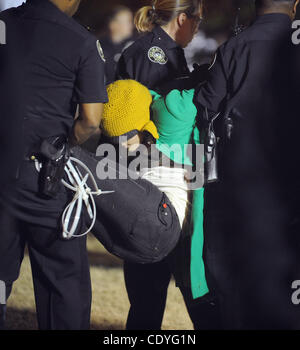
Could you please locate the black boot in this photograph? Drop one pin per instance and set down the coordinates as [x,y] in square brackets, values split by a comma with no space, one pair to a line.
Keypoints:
[204,312]
[206,316]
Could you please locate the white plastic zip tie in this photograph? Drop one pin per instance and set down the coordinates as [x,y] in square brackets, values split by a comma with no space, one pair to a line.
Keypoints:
[83,193]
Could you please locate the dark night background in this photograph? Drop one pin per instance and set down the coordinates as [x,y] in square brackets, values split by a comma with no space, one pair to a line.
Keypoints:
[220,14]
[219,17]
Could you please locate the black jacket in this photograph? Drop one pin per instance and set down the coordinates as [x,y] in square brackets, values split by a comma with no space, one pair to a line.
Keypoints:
[154,60]
[255,64]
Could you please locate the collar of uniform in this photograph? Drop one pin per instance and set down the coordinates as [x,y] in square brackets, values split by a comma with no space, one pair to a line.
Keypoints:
[48,10]
[161,36]
[273,17]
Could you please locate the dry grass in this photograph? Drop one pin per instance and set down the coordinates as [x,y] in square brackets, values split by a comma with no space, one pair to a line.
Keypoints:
[110,303]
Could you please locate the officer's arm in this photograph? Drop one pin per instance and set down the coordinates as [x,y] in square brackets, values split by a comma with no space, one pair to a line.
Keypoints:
[87,124]
[212,94]
[90,93]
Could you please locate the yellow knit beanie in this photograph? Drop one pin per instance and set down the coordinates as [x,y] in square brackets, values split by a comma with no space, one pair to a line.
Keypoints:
[128,109]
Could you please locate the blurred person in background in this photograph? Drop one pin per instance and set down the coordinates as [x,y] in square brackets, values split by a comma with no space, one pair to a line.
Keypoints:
[120,30]
[201,50]
[157,61]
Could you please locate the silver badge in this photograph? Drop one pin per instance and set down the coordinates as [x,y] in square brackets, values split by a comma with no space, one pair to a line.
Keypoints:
[100,50]
[157,55]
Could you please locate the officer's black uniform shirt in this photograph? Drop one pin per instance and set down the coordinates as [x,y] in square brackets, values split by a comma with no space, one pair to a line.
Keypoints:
[62,67]
[153,60]
[245,60]
[58,65]
[254,64]
[113,53]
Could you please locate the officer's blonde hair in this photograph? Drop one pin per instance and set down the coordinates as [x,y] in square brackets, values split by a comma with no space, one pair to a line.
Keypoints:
[162,12]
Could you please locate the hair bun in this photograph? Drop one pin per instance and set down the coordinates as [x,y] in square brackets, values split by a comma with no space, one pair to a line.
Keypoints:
[151,13]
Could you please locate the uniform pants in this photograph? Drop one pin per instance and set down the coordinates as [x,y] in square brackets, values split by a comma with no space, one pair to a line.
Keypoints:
[252,254]
[60,272]
[147,287]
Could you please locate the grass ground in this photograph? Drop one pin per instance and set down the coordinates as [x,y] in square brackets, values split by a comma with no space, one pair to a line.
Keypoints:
[110,303]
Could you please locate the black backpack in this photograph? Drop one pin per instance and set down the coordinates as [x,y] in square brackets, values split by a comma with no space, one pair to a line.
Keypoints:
[137,222]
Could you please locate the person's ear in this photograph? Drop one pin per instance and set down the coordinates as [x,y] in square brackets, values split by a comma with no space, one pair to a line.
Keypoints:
[181,19]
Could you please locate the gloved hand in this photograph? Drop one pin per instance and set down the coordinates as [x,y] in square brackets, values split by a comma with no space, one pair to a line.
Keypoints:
[199,74]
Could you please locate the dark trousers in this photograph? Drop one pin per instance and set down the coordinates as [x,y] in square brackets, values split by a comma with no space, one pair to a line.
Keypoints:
[147,287]
[252,253]
[60,272]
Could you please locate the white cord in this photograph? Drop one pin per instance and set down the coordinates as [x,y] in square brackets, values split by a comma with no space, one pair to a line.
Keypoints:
[83,193]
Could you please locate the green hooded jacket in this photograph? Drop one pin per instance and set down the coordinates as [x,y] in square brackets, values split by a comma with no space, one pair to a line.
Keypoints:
[175,118]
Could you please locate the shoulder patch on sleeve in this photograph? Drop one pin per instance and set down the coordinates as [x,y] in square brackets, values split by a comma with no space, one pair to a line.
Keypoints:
[157,55]
[100,50]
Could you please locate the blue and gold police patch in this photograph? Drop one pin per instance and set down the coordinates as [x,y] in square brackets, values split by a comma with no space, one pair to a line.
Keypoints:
[157,55]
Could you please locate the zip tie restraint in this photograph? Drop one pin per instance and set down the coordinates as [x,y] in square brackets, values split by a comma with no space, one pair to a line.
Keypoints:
[83,193]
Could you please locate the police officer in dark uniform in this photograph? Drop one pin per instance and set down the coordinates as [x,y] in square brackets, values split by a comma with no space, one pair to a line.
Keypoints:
[250,248]
[157,60]
[154,60]
[59,65]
